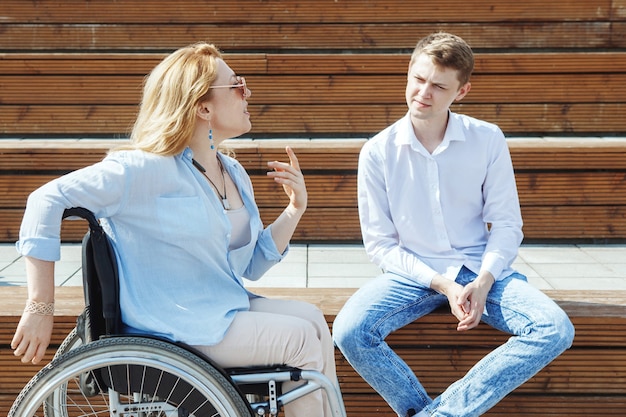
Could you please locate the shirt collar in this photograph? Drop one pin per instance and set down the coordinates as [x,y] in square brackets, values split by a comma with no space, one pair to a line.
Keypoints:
[454,131]
[188,153]
[405,134]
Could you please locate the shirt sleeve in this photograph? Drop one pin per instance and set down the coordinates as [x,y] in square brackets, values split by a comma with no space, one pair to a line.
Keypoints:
[380,236]
[501,211]
[265,254]
[98,188]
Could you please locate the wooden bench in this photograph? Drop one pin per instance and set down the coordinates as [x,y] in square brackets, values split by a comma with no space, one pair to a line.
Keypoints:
[569,189]
[589,379]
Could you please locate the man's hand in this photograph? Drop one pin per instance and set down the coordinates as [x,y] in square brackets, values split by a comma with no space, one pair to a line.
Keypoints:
[473,299]
[466,303]
[453,292]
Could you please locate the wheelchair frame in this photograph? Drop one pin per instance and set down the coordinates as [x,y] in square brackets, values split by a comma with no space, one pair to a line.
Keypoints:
[97,370]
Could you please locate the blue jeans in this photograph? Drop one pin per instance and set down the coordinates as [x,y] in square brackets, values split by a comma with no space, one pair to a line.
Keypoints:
[541,331]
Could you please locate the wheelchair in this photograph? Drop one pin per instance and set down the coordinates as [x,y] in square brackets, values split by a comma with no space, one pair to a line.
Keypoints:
[100,371]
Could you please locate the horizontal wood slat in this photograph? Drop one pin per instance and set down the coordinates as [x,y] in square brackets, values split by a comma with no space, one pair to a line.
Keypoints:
[324,154]
[322,90]
[573,372]
[279,64]
[328,190]
[63,154]
[342,224]
[323,190]
[597,315]
[298,36]
[591,188]
[544,223]
[564,154]
[575,222]
[380,11]
[297,121]
[514,405]
[528,406]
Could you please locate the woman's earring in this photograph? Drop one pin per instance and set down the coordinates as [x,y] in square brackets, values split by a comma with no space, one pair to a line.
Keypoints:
[211,138]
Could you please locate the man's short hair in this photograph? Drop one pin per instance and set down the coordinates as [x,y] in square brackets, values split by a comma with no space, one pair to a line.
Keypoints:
[448,51]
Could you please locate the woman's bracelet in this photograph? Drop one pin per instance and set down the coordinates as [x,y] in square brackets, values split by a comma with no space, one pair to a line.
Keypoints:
[39,308]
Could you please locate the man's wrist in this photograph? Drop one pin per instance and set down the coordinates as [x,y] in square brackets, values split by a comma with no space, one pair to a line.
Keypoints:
[441,284]
[485,278]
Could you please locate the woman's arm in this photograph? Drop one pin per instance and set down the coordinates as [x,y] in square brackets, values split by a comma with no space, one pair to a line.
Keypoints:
[99,188]
[292,180]
[34,330]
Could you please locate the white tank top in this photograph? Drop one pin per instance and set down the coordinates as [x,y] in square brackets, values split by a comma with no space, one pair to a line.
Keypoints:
[240,223]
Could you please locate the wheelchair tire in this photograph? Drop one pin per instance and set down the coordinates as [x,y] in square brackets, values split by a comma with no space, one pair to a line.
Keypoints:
[148,377]
[71,341]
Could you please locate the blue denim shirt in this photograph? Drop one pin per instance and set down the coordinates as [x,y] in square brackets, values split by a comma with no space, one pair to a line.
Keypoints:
[178,279]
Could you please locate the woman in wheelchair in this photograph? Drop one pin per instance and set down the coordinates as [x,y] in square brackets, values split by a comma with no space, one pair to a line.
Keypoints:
[186,230]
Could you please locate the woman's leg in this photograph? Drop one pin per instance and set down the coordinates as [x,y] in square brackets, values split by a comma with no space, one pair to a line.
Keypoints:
[380,307]
[311,314]
[316,318]
[275,332]
[541,331]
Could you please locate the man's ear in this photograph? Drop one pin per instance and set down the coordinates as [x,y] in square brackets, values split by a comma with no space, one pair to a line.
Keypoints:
[463,91]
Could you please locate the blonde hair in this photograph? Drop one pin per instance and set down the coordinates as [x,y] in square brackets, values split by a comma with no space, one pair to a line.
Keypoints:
[447,51]
[171,92]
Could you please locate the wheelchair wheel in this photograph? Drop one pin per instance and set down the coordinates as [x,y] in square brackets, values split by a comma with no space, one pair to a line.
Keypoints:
[135,376]
[71,341]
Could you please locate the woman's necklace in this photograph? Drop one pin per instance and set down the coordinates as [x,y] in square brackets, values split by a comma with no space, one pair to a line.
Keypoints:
[222,195]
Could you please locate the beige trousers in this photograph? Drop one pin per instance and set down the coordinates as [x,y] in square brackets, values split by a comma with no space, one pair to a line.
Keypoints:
[288,332]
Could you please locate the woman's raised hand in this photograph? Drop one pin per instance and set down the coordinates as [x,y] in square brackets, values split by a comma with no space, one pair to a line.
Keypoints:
[290,177]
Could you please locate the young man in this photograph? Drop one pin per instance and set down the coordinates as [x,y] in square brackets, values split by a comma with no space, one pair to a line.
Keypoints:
[440,215]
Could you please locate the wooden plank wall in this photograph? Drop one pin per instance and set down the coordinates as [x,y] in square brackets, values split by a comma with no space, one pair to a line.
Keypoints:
[336,69]
[316,68]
